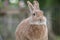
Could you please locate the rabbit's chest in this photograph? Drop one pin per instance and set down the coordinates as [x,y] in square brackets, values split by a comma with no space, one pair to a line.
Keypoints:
[36,31]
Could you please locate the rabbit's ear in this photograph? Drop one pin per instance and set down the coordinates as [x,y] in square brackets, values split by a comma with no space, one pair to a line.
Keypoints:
[36,4]
[31,8]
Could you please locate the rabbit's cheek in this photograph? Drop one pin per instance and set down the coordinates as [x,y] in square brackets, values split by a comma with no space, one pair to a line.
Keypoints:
[34,18]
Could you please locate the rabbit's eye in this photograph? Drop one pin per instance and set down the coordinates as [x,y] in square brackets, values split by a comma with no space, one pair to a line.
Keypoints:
[33,14]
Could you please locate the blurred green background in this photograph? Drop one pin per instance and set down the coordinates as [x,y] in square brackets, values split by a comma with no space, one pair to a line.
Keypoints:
[12,12]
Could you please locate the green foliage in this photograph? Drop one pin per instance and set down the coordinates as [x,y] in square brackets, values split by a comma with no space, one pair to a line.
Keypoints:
[1,4]
[58,37]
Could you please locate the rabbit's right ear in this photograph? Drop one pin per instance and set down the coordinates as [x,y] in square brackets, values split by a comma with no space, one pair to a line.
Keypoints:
[31,8]
[36,4]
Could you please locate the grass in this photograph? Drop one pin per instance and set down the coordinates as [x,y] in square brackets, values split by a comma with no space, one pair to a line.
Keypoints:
[58,37]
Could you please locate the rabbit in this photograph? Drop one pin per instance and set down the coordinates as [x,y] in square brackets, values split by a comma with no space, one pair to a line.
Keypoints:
[34,27]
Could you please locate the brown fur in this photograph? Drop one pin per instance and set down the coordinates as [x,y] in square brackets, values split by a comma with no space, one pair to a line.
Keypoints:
[26,31]
[34,27]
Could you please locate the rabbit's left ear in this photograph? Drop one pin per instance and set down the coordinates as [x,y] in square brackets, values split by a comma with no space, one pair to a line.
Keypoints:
[36,4]
[31,8]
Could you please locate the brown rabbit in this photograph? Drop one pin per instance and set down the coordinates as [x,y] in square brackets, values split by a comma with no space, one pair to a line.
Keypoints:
[34,27]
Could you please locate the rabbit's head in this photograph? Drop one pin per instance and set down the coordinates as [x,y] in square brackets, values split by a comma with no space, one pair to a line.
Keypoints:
[36,13]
